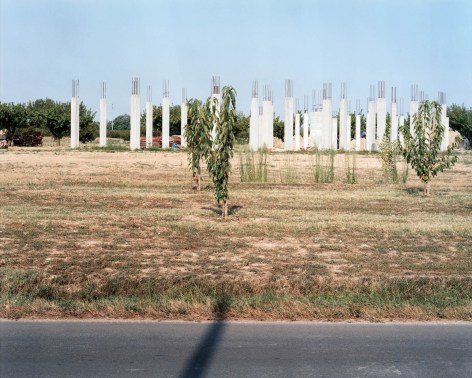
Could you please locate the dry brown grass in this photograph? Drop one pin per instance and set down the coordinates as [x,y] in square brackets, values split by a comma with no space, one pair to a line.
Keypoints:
[93,229]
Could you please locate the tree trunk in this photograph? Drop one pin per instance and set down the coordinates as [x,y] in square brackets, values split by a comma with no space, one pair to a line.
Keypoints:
[428,188]
[199,185]
[225,210]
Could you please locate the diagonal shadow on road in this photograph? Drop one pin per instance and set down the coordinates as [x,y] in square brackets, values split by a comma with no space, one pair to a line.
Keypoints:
[201,358]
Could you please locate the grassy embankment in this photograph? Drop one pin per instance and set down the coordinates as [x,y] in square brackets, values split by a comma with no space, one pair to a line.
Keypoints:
[97,234]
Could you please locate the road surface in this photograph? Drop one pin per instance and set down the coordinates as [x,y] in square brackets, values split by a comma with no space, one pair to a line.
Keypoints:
[233,349]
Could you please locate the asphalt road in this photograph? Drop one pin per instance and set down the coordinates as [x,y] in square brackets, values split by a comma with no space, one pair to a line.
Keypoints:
[232,349]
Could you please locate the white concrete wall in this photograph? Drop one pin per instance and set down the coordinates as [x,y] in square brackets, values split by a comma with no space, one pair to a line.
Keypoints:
[305,130]
[381,118]
[394,123]
[103,122]
[74,122]
[348,131]
[183,123]
[149,112]
[135,132]
[358,132]
[254,125]
[165,122]
[297,132]
[288,124]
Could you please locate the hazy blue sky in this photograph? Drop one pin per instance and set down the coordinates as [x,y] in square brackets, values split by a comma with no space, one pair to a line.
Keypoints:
[44,44]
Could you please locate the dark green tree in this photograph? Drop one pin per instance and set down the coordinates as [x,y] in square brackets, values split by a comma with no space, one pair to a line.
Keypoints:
[219,157]
[121,122]
[279,128]
[422,150]
[13,117]
[197,134]
[460,120]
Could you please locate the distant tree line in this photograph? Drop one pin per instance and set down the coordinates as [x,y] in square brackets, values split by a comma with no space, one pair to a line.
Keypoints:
[51,118]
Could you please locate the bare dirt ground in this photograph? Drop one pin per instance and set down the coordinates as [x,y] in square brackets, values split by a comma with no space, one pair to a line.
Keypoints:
[75,223]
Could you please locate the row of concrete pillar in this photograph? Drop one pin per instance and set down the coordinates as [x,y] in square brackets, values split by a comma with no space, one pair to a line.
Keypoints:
[321,126]
[135,114]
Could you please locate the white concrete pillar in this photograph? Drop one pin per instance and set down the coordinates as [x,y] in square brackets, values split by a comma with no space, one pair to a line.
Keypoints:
[260,127]
[305,129]
[381,112]
[215,94]
[327,135]
[103,115]
[370,127]
[149,116]
[413,106]
[103,122]
[401,123]
[348,132]
[183,118]
[135,132]
[288,116]
[297,132]
[358,132]
[327,129]
[165,122]
[263,132]
[270,125]
[394,123]
[75,115]
[444,121]
[254,119]
[342,123]
[334,135]
[344,128]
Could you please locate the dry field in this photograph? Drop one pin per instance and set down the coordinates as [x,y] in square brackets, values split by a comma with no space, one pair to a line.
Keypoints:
[124,234]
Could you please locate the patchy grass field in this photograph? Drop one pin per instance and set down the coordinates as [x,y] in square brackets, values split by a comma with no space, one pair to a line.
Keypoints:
[120,234]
